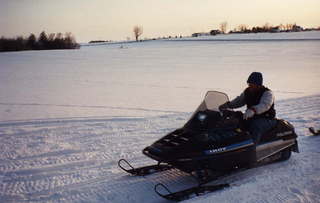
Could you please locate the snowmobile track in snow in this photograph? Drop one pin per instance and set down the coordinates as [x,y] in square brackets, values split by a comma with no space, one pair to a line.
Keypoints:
[75,160]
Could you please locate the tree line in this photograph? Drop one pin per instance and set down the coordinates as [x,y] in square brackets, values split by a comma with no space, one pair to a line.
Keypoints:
[289,27]
[43,42]
[268,28]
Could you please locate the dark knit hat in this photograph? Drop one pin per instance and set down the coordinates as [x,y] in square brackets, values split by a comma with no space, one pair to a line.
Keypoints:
[255,78]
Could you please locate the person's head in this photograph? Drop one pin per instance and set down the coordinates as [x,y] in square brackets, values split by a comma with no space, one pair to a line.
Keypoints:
[255,80]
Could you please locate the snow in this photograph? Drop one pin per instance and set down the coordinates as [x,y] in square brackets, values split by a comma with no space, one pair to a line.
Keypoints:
[67,117]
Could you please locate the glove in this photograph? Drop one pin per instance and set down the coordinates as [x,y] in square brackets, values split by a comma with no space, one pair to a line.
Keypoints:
[224,106]
[248,114]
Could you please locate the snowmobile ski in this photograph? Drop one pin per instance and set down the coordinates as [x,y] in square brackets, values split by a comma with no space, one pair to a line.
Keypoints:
[142,171]
[187,193]
[314,132]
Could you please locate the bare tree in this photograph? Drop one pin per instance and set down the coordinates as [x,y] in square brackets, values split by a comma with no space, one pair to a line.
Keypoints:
[289,26]
[137,30]
[43,38]
[242,28]
[267,26]
[51,37]
[282,27]
[223,27]
[32,41]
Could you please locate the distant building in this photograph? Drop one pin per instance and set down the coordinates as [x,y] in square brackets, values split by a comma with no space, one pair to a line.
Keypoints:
[198,34]
[215,32]
[297,28]
[275,29]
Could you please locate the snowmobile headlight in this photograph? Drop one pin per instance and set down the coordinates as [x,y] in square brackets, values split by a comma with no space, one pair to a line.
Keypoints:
[238,130]
[202,117]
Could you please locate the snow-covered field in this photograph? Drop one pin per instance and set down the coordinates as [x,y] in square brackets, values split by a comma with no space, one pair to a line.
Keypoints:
[66,117]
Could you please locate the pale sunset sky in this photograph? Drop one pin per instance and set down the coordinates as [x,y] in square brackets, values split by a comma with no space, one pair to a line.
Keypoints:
[115,19]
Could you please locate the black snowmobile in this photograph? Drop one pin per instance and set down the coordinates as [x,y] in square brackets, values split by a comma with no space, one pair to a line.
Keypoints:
[212,144]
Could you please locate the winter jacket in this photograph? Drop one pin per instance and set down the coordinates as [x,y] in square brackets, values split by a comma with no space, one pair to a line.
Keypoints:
[262,102]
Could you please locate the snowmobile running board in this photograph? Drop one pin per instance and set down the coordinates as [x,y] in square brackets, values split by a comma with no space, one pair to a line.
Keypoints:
[145,170]
[187,193]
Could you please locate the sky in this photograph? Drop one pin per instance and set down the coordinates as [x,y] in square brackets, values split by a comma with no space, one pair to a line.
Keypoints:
[115,19]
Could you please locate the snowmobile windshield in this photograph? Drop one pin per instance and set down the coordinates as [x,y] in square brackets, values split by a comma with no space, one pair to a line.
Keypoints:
[212,101]
[208,111]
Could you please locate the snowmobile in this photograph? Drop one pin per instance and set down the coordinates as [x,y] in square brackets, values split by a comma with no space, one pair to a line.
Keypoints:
[212,144]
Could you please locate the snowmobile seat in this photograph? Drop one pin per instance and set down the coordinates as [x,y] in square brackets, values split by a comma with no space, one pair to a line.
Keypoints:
[282,129]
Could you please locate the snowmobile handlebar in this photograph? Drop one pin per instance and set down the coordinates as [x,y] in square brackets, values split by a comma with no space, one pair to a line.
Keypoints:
[230,113]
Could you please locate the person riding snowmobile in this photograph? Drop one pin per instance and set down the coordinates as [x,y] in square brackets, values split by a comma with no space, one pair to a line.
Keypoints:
[260,111]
